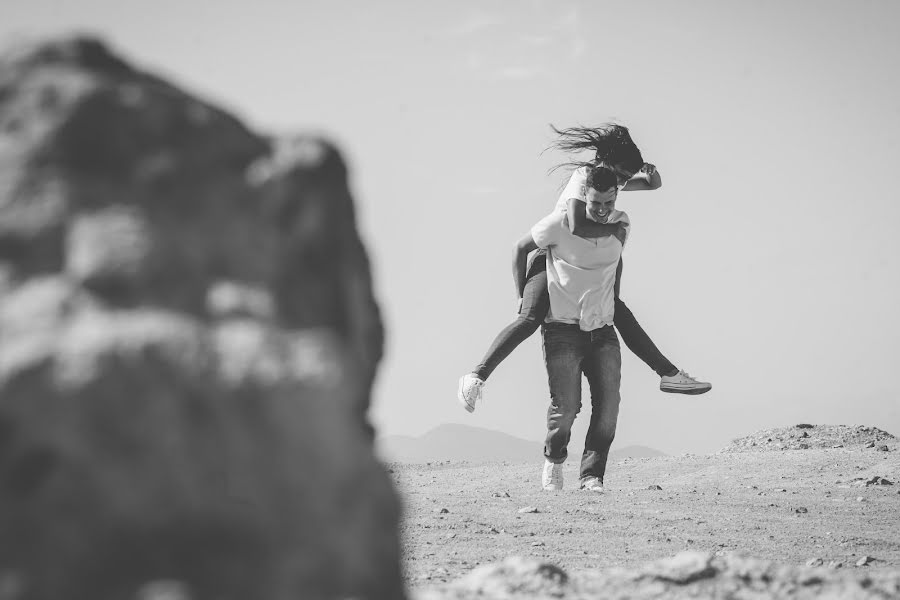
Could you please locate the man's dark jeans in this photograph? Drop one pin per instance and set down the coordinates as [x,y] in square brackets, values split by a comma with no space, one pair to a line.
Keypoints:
[536,304]
[569,352]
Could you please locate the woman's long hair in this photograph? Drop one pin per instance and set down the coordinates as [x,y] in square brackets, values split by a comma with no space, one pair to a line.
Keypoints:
[611,143]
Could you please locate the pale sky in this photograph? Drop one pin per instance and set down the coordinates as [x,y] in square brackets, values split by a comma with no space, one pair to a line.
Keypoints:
[768,263]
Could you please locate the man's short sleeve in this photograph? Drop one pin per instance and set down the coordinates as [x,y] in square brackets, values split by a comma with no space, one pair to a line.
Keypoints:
[546,231]
[573,189]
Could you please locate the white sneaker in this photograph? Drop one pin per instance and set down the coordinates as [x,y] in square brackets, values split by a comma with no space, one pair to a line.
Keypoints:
[469,390]
[592,484]
[682,383]
[552,479]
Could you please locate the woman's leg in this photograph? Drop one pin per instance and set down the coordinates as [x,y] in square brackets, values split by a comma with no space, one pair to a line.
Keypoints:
[640,343]
[636,338]
[673,379]
[535,304]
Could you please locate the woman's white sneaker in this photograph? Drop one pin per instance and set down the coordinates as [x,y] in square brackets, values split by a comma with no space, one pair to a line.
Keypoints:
[469,392]
[552,478]
[682,383]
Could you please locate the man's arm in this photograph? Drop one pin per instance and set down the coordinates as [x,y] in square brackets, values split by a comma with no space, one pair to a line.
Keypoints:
[646,179]
[580,225]
[520,261]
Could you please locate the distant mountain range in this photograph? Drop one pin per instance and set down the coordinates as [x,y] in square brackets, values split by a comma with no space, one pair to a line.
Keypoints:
[462,442]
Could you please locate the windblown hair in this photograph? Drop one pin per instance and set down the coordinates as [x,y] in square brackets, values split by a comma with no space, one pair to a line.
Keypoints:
[611,143]
[601,178]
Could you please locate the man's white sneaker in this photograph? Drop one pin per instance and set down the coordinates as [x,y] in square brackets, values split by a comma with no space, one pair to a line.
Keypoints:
[592,484]
[682,383]
[469,390]
[552,479]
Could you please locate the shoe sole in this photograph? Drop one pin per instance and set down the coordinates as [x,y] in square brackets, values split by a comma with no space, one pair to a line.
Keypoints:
[688,391]
[462,399]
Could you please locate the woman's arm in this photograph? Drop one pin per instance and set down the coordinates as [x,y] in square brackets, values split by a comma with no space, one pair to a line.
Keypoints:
[582,226]
[520,261]
[646,179]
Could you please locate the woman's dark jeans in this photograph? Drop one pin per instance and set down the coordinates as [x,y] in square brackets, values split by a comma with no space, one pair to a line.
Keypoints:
[536,304]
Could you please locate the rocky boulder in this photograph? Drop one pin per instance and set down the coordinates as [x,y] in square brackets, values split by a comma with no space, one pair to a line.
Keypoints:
[188,338]
[689,574]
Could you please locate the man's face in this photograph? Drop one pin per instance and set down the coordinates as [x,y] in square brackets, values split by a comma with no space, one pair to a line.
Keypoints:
[600,204]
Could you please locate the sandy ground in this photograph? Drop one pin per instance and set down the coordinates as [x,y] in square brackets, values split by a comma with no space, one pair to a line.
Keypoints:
[791,506]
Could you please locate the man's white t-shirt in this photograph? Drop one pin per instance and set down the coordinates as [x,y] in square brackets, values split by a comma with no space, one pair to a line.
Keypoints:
[581,273]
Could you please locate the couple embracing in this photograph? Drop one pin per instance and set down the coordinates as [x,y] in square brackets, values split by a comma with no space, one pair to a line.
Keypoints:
[571,291]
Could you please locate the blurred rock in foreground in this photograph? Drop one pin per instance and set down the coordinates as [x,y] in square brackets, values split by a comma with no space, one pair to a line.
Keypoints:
[689,574]
[188,338]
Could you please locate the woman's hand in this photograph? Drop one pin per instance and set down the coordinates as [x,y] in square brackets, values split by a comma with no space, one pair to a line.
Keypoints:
[648,169]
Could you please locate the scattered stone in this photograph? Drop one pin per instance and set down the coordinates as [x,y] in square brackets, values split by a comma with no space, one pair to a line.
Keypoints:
[450,536]
[443,511]
[528,509]
[801,510]
[883,448]
[815,562]
[878,480]
[864,561]
[682,568]
[538,544]
[860,499]
[870,445]
[835,564]
[654,487]
[804,426]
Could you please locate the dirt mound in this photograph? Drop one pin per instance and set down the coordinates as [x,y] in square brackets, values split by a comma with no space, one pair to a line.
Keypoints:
[689,574]
[805,436]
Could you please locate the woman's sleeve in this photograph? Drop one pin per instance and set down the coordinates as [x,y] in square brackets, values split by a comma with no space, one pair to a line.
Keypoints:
[574,188]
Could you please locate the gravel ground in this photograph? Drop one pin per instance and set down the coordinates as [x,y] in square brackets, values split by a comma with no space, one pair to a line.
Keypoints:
[829,506]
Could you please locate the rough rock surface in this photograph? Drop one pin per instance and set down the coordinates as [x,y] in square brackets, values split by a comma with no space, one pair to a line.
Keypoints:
[804,436]
[689,574]
[188,338]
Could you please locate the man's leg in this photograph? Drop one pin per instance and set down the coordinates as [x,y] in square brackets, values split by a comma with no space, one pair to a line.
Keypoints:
[564,349]
[603,369]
